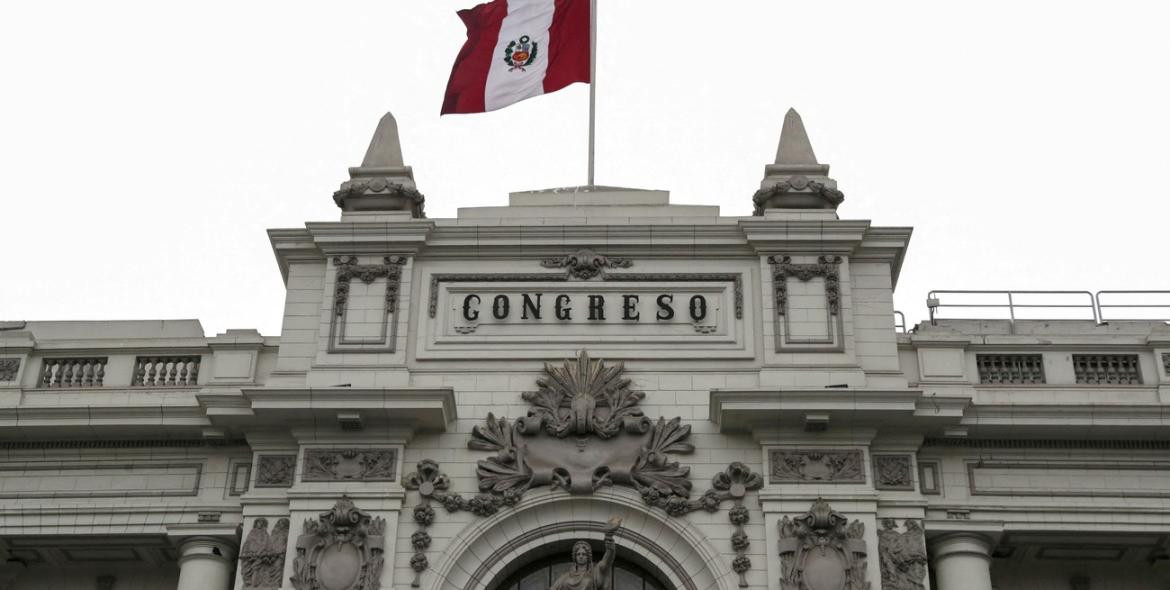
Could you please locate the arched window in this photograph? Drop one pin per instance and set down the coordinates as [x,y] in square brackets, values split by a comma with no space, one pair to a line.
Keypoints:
[540,574]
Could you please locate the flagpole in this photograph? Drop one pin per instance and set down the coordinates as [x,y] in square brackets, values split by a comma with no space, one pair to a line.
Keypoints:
[592,84]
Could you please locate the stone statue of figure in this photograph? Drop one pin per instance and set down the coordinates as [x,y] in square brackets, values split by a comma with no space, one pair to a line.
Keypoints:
[585,575]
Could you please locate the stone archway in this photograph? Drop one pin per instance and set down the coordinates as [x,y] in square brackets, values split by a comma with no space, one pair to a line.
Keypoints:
[482,552]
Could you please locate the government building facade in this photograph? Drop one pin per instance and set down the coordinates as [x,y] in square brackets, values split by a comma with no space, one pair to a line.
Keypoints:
[587,389]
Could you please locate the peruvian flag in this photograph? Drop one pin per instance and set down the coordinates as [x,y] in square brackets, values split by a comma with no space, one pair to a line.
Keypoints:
[517,49]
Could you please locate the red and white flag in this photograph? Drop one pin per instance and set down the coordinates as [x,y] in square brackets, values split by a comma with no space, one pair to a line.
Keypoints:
[517,49]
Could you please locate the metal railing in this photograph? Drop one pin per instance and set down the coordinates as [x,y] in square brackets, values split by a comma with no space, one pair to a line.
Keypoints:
[1154,304]
[1018,304]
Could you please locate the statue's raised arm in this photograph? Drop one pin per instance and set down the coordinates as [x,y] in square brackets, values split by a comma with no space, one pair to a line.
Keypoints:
[585,575]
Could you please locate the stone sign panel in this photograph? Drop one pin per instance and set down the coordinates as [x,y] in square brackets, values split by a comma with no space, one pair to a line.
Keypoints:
[538,315]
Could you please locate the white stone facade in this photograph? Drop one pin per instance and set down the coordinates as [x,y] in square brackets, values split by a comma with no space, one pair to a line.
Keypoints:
[141,455]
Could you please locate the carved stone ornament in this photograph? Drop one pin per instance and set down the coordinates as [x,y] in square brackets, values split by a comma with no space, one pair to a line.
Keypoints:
[822,550]
[892,472]
[262,555]
[817,466]
[584,574]
[797,192]
[826,266]
[350,465]
[1165,362]
[349,269]
[8,369]
[275,471]
[903,555]
[379,194]
[586,264]
[341,550]
[105,582]
[584,431]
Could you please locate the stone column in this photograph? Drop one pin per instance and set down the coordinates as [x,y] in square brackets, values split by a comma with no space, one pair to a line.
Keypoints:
[961,561]
[205,563]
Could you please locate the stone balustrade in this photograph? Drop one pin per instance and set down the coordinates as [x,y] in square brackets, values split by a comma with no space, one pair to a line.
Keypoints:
[166,371]
[73,372]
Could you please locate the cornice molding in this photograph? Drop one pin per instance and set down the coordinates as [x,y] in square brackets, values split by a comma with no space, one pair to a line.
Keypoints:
[754,409]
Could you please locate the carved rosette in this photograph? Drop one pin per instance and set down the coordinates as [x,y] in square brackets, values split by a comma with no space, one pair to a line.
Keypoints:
[903,555]
[343,548]
[262,555]
[826,266]
[822,549]
[586,264]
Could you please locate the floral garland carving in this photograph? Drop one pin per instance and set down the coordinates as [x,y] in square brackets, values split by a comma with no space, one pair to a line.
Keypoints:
[348,269]
[586,264]
[826,266]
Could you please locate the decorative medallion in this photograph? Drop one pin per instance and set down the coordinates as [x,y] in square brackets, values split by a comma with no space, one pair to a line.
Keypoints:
[822,550]
[350,464]
[341,550]
[262,555]
[817,466]
[826,266]
[8,369]
[586,264]
[275,471]
[892,472]
[520,53]
[903,555]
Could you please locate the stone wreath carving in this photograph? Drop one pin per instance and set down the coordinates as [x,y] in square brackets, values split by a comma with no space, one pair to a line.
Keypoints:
[341,549]
[262,555]
[822,550]
[349,269]
[903,555]
[350,464]
[826,266]
[275,471]
[773,196]
[388,191]
[892,472]
[8,369]
[586,264]
[817,465]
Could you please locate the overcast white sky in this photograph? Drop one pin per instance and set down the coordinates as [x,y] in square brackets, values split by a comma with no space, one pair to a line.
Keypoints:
[146,146]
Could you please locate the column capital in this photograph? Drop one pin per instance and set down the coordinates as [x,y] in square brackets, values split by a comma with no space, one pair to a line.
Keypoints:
[968,543]
[206,547]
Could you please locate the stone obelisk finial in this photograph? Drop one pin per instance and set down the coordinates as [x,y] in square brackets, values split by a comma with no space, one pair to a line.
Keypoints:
[796,180]
[382,182]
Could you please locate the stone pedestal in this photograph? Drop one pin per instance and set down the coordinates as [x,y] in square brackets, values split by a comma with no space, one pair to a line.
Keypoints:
[961,561]
[205,563]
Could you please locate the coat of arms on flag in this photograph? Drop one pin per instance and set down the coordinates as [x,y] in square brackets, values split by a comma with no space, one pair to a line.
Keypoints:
[521,52]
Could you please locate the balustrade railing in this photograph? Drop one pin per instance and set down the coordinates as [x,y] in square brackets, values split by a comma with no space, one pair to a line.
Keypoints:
[73,372]
[166,371]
